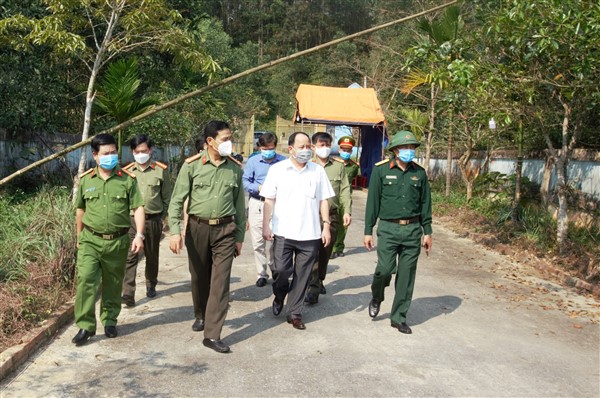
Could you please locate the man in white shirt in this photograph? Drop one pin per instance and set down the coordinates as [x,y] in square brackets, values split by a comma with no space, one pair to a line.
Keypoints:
[296,192]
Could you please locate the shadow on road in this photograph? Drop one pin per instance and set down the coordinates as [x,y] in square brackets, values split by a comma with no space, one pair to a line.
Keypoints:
[423,309]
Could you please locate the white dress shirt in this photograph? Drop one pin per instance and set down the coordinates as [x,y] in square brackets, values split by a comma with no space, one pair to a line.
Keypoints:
[298,195]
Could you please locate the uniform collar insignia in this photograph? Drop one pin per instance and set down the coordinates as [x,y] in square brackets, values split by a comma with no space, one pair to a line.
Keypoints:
[204,159]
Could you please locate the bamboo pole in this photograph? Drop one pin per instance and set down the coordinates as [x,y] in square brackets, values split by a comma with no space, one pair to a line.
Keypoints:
[223,82]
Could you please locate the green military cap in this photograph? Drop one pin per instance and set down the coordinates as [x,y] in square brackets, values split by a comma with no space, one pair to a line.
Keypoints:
[403,138]
[346,142]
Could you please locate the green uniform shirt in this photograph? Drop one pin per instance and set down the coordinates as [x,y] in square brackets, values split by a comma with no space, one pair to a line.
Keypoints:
[352,170]
[155,186]
[107,203]
[397,194]
[336,174]
[213,191]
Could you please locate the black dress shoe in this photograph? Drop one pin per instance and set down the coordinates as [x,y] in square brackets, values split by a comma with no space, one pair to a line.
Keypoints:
[333,255]
[216,345]
[128,301]
[277,306]
[402,327]
[260,282]
[374,308]
[110,332]
[340,254]
[82,337]
[322,289]
[151,292]
[198,325]
[311,298]
[296,323]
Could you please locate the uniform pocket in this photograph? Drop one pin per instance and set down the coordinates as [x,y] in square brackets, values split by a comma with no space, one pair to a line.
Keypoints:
[119,201]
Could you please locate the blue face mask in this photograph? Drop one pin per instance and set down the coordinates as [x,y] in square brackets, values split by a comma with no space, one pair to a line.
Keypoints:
[345,155]
[268,153]
[108,162]
[406,155]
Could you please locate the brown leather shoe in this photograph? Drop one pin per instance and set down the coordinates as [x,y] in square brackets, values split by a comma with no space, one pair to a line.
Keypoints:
[296,323]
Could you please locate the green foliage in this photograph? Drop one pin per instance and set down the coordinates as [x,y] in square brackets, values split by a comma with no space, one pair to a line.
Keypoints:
[38,232]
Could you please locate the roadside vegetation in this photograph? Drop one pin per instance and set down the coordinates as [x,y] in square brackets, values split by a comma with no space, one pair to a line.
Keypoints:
[530,239]
[37,258]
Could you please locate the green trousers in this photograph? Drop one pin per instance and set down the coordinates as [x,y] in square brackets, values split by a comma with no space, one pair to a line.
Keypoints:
[398,246]
[102,262]
[339,246]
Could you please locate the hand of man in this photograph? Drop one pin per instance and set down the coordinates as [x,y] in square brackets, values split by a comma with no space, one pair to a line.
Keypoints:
[137,245]
[247,225]
[369,242]
[427,243]
[175,243]
[238,248]
[347,220]
[267,233]
[326,235]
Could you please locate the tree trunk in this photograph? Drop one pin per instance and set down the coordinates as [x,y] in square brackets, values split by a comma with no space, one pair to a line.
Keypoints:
[518,173]
[464,163]
[545,186]
[91,94]
[429,136]
[449,157]
[562,218]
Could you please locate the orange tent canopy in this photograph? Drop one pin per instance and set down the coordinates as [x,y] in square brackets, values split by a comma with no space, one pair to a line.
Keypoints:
[336,105]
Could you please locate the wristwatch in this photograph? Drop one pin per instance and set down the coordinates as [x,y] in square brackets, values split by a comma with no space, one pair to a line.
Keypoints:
[140,235]
[326,222]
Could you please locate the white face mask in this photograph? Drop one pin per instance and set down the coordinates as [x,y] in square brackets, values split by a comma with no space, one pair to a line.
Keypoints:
[303,155]
[225,148]
[141,158]
[323,152]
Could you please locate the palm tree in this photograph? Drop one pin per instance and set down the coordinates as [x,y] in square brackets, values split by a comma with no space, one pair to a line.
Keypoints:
[118,94]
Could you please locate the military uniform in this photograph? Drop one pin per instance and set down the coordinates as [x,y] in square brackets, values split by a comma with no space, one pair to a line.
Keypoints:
[217,221]
[352,170]
[103,243]
[401,199]
[155,185]
[336,173]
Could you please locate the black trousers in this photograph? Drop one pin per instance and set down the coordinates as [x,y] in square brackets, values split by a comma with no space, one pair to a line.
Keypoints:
[293,258]
[153,233]
[319,268]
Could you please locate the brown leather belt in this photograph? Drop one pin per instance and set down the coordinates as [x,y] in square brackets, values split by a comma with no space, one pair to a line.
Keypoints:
[212,221]
[404,221]
[112,236]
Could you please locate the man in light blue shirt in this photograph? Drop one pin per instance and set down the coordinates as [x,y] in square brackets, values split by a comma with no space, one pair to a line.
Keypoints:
[254,175]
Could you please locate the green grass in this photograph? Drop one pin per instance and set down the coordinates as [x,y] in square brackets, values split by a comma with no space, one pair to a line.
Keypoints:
[38,230]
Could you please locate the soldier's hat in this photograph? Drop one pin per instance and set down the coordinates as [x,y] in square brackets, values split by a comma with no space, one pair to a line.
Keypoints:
[403,138]
[346,142]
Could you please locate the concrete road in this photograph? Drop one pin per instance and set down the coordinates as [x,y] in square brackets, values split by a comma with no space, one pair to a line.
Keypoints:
[481,327]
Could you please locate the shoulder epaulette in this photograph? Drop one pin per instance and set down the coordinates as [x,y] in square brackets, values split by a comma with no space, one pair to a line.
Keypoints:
[130,165]
[192,158]
[86,172]
[129,173]
[235,160]
[161,165]
[337,159]
[384,161]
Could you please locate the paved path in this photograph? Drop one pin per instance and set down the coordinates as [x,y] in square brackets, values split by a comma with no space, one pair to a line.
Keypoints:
[480,328]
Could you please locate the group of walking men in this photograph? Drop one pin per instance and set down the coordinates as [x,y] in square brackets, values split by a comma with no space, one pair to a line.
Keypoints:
[300,204]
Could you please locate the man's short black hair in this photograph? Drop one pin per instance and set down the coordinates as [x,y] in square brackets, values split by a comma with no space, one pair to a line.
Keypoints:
[102,139]
[292,139]
[266,139]
[213,127]
[326,138]
[140,139]
[199,143]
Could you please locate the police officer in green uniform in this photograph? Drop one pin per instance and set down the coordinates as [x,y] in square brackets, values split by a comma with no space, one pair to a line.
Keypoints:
[352,170]
[336,173]
[105,197]
[399,195]
[215,231]
[155,184]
